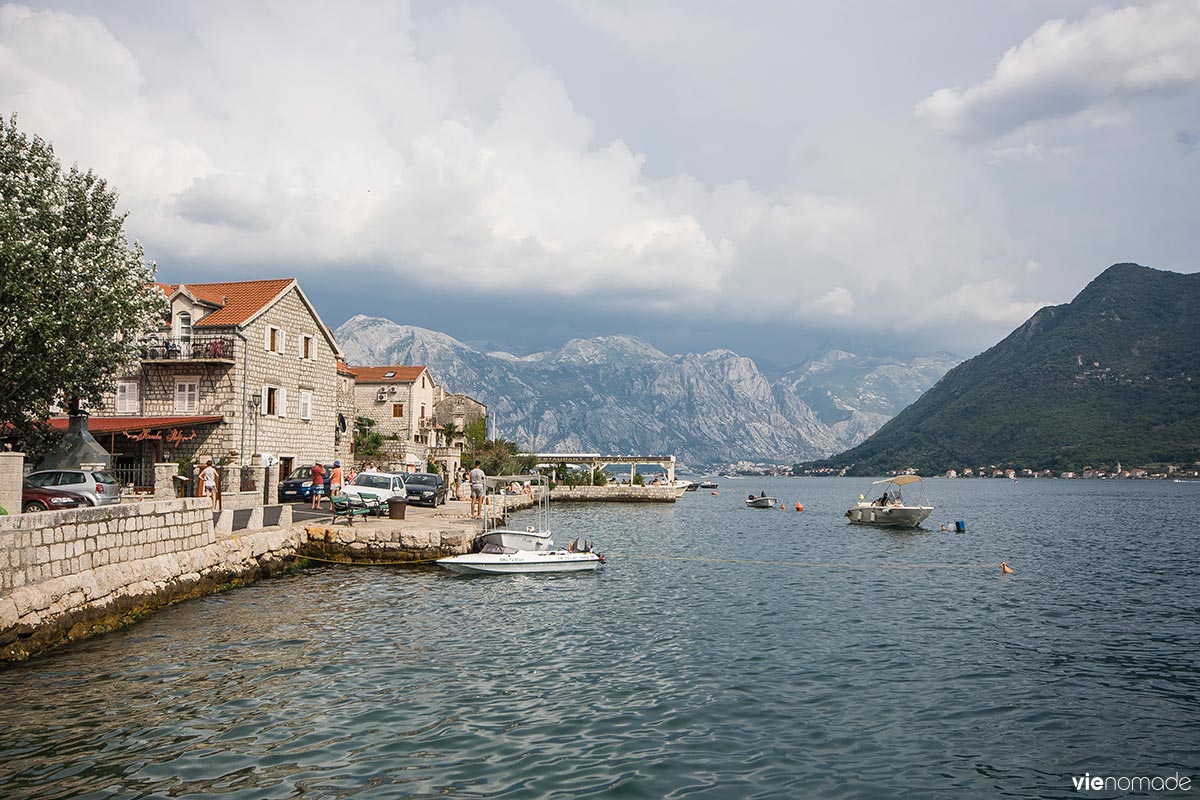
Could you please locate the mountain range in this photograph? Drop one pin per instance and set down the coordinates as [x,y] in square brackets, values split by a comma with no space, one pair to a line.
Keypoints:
[1110,377]
[618,394]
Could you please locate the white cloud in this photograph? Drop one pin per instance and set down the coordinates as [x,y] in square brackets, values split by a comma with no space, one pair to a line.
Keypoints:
[987,301]
[1090,70]
[453,158]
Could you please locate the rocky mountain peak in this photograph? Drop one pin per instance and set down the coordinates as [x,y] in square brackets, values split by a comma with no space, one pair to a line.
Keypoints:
[620,394]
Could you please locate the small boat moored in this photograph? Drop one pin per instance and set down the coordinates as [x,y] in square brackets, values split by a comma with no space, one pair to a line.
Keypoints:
[760,501]
[891,509]
[507,551]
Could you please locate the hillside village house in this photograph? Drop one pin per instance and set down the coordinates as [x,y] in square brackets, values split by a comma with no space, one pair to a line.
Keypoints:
[421,424]
[237,369]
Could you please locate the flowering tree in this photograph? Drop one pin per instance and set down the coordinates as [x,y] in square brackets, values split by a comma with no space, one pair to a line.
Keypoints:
[75,294]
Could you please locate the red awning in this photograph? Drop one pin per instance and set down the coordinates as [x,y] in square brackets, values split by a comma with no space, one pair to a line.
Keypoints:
[118,424]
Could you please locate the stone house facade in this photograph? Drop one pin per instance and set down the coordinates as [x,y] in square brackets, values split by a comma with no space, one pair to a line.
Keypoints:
[237,370]
[400,400]
[420,422]
[452,413]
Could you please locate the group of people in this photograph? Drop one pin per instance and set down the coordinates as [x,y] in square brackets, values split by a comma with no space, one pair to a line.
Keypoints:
[333,484]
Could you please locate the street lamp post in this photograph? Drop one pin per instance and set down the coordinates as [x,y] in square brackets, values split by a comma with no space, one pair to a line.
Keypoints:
[256,399]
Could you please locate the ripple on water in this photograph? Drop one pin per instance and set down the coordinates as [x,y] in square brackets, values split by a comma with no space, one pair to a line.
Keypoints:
[740,674]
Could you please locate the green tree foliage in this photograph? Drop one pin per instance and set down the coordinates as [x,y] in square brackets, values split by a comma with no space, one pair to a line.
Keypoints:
[367,440]
[75,294]
[475,433]
[501,457]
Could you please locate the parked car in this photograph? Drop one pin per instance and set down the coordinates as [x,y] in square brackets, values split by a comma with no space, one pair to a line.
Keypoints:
[297,486]
[379,485]
[425,489]
[39,498]
[100,488]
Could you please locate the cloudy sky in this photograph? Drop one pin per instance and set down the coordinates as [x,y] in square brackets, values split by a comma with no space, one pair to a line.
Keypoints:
[771,177]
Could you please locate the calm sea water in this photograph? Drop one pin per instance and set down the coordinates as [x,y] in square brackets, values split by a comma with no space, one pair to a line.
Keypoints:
[722,653]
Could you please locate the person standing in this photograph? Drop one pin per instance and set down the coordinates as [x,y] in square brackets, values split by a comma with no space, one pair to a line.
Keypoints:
[208,480]
[477,484]
[318,484]
[335,481]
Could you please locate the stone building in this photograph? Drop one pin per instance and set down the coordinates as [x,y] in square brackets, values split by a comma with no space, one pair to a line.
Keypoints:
[453,413]
[421,424]
[237,369]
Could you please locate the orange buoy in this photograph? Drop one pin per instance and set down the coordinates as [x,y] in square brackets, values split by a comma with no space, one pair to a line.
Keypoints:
[713,493]
[1005,568]
[782,507]
[799,506]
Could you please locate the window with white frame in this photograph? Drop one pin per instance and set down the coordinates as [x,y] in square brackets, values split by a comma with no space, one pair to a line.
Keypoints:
[305,405]
[127,397]
[308,348]
[187,394]
[274,401]
[273,340]
[184,327]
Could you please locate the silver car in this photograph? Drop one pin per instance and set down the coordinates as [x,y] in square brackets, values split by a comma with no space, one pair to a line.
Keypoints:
[100,488]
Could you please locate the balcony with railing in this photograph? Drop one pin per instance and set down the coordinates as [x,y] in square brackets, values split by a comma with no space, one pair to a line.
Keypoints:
[218,349]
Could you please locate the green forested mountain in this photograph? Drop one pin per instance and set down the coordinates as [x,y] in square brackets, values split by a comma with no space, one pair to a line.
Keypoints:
[1114,375]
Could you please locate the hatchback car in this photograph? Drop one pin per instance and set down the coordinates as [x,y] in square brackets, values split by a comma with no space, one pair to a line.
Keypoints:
[425,489]
[100,488]
[40,498]
[297,486]
[379,485]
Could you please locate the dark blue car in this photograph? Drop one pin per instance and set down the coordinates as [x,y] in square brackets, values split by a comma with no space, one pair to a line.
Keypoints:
[297,486]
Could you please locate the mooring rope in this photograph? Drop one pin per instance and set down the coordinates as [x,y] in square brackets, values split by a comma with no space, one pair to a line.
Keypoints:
[369,563]
[828,564]
[701,559]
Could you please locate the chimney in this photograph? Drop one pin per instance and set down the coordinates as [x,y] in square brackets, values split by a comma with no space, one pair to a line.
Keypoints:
[77,447]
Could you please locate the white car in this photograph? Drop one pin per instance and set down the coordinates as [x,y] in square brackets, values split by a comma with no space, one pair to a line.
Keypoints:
[379,485]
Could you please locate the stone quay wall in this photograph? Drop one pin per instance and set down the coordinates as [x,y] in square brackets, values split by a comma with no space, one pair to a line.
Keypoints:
[65,575]
[614,494]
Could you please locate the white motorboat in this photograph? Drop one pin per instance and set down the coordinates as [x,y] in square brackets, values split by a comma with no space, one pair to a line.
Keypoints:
[760,501]
[501,561]
[888,507]
[511,551]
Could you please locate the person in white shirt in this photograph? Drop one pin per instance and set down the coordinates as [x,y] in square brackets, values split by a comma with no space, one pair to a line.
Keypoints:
[208,483]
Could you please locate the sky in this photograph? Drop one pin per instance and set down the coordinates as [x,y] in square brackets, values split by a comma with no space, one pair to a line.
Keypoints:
[775,178]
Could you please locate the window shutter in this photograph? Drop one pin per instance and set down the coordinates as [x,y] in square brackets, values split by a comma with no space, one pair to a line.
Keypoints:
[282,348]
[267,340]
[283,402]
[265,404]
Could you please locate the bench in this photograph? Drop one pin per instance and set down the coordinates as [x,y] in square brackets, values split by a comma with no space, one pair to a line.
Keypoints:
[347,508]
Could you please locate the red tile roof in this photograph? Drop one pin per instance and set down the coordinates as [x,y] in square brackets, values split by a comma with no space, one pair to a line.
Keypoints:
[237,301]
[376,374]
